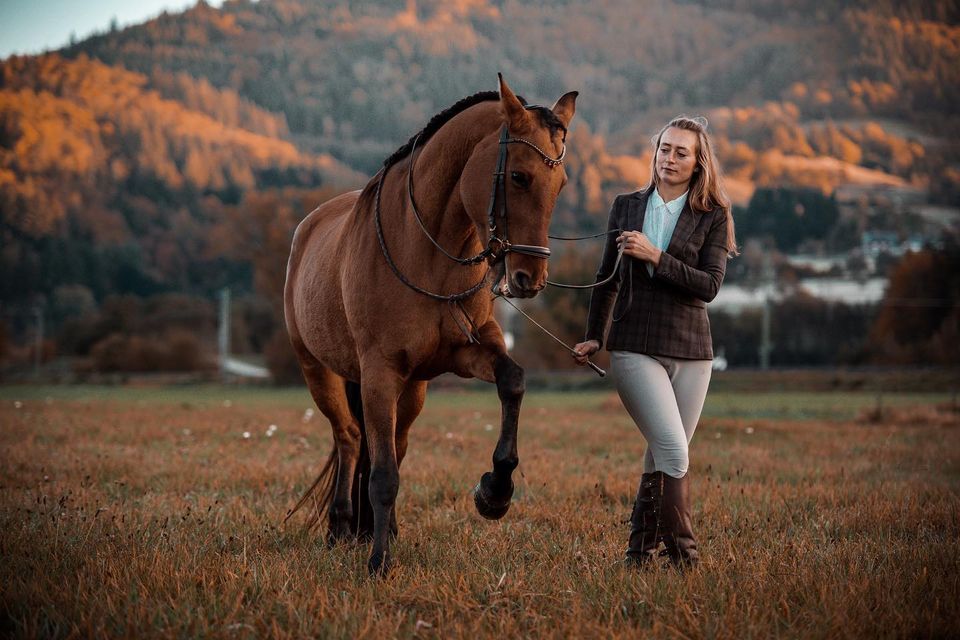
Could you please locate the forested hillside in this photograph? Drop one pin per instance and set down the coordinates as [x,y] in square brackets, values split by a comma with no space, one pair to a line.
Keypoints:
[94,161]
[801,93]
[368,73]
[135,161]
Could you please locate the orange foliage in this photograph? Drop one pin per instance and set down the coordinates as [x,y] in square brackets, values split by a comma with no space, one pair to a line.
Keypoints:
[78,127]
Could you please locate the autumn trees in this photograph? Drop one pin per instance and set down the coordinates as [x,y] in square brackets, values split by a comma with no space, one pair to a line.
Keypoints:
[919,318]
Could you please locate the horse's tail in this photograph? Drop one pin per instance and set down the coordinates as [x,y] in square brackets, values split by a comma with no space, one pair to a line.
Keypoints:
[320,493]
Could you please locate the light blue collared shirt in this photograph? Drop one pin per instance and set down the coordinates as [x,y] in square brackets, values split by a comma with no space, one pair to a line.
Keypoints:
[661,219]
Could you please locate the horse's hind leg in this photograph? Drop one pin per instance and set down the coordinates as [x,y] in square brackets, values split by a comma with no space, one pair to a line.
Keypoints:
[327,389]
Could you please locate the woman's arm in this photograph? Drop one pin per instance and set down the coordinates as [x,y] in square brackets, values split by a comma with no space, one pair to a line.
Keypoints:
[603,297]
[702,281]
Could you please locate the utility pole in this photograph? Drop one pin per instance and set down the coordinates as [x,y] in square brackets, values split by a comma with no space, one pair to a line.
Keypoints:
[224,329]
[766,346]
[38,346]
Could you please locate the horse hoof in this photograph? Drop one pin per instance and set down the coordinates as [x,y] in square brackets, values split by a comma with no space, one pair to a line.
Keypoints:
[333,539]
[338,533]
[487,506]
[379,565]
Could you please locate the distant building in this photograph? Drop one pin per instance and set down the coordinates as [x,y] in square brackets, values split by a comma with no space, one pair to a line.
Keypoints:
[874,243]
[733,298]
[898,196]
[817,263]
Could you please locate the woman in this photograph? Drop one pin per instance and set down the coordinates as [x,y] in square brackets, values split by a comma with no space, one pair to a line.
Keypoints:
[675,236]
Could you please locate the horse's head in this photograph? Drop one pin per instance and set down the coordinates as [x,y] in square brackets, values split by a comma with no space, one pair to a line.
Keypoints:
[533,177]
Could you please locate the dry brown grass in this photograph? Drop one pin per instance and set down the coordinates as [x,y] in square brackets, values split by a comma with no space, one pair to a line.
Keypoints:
[151,516]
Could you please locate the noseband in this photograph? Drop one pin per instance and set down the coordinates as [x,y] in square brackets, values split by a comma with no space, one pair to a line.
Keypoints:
[498,244]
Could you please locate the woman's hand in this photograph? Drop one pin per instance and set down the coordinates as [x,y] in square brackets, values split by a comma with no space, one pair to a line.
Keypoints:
[637,245]
[583,351]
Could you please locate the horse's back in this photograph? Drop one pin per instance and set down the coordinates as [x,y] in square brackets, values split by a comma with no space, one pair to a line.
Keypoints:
[313,300]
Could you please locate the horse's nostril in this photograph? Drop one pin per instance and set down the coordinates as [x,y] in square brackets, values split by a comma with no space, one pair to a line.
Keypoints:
[523,280]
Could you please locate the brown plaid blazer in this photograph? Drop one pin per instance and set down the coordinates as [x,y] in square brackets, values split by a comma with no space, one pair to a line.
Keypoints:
[664,314]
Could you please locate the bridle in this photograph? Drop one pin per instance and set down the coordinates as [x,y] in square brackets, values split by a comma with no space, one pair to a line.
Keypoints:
[498,244]
[500,187]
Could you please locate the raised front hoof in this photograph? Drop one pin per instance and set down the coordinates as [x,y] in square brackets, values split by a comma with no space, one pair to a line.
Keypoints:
[488,505]
[379,565]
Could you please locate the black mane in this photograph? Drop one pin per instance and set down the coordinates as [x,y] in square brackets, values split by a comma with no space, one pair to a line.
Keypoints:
[547,117]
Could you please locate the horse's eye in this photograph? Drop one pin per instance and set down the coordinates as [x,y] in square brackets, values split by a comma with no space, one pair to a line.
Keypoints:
[520,179]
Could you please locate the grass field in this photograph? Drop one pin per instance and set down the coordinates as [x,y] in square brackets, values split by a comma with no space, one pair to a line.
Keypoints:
[147,513]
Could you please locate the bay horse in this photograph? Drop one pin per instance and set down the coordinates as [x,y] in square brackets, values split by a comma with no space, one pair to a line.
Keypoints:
[380,297]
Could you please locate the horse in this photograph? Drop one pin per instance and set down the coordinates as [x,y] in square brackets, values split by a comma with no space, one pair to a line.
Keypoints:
[376,304]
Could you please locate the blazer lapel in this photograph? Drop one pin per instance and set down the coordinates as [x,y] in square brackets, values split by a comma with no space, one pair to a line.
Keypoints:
[686,223]
[638,211]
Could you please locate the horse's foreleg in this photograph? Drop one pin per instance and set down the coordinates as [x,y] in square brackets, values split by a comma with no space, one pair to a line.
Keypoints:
[381,390]
[408,408]
[493,494]
[491,363]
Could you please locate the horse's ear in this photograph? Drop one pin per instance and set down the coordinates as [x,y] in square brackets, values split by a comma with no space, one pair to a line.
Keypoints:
[515,116]
[565,107]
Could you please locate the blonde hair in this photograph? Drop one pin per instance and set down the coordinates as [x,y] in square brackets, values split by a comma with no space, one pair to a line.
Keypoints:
[706,186]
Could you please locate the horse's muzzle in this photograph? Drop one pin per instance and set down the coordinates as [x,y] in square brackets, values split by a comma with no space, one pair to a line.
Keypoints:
[519,287]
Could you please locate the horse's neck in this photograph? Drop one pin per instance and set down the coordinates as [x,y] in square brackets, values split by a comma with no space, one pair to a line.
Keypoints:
[437,168]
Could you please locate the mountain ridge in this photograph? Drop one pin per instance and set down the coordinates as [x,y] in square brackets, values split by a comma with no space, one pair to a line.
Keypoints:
[145,136]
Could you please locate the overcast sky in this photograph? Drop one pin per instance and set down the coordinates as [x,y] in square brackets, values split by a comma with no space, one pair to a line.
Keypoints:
[32,26]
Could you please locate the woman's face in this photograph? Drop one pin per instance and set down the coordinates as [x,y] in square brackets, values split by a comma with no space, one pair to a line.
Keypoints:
[677,156]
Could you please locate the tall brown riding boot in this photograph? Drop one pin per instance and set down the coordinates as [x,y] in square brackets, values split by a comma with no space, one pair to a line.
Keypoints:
[676,526]
[645,520]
